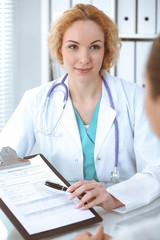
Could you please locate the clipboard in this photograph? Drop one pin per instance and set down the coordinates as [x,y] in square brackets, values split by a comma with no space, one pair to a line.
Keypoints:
[49,219]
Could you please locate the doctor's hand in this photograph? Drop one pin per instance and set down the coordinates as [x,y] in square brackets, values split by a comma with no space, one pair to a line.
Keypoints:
[95,195]
[99,235]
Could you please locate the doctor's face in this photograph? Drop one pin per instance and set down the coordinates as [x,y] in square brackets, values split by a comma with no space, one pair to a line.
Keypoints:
[152,107]
[83,50]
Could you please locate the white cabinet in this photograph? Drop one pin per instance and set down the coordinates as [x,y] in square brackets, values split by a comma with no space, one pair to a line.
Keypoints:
[141,56]
[137,34]
[126,63]
[107,6]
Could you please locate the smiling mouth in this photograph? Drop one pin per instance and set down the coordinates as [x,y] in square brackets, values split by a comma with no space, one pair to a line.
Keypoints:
[83,70]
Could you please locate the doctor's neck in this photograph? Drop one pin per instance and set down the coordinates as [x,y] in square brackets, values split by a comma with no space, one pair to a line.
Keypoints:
[85,89]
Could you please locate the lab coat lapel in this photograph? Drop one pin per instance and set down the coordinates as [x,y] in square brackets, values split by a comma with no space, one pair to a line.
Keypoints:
[70,122]
[106,114]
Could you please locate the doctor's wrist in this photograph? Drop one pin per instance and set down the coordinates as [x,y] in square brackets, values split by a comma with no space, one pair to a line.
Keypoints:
[111,203]
[116,203]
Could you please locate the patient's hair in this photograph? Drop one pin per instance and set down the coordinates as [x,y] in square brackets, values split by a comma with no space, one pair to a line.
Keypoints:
[153,68]
[85,12]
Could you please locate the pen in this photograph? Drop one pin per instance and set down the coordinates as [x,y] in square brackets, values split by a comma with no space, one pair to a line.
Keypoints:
[55,186]
[60,187]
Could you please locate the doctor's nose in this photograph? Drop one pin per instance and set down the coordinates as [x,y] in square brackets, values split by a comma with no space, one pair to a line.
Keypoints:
[84,57]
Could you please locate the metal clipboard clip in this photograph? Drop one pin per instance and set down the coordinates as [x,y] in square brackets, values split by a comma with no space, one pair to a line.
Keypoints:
[9,159]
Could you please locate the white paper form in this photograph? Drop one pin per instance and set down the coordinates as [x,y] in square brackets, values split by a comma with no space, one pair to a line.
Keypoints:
[38,207]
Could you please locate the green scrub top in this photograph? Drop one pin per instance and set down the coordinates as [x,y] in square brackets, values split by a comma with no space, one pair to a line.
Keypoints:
[88,141]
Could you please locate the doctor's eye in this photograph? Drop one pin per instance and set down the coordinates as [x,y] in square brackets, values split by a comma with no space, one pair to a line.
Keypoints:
[95,46]
[73,46]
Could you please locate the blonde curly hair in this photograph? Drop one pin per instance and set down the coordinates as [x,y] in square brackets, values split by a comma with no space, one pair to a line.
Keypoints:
[112,43]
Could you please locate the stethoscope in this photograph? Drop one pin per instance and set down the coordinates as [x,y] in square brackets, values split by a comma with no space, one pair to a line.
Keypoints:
[115,172]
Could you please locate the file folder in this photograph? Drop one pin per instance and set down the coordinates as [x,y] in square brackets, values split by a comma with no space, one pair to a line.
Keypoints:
[36,210]
[126,16]
[146,21]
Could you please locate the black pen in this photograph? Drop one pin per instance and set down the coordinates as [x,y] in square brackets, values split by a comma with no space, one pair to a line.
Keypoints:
[60,187]
[55,186]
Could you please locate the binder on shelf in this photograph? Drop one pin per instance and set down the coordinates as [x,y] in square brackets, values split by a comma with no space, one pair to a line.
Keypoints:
[36,210]
[125,67]
[146,19]
[142,52]
[126,16]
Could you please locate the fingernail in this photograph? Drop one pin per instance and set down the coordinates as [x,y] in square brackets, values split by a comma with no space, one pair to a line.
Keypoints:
[83,208]
[70,197]
[78,205]
[68,190]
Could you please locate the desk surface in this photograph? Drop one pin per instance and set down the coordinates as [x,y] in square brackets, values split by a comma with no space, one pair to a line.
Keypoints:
[9,232]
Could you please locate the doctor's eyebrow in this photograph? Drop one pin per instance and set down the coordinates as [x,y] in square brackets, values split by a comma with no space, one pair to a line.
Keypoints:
[96,41]
[79,43]
[72,41]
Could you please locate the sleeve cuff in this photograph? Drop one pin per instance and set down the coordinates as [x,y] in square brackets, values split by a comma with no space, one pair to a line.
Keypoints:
[136,192]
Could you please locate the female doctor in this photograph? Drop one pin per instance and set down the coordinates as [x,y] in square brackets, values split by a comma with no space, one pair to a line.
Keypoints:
[88,124]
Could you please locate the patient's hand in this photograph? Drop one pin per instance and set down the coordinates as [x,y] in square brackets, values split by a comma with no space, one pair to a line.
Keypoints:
[99,235]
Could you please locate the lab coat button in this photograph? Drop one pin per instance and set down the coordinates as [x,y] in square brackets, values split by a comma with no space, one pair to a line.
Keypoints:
[98,158]
[76,160]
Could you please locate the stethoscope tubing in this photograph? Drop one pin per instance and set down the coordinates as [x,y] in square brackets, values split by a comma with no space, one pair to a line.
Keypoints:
[59,84]
[62,83]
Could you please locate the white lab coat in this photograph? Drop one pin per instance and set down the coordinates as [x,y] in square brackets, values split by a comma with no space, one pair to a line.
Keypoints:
[139,149]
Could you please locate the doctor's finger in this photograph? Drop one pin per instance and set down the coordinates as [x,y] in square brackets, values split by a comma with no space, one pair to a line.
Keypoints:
[93,190]
[88,200]
[78,184]
[80,188]
[89,204]
[93,198]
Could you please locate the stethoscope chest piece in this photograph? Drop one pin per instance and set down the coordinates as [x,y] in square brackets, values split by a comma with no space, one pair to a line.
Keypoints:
[115,175]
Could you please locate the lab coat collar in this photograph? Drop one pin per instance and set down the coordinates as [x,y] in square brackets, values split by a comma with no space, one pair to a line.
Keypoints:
[112,86]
